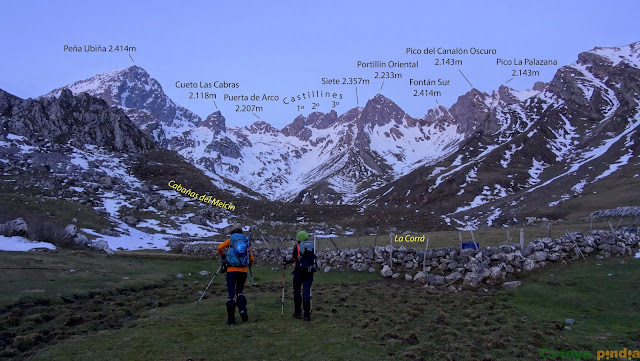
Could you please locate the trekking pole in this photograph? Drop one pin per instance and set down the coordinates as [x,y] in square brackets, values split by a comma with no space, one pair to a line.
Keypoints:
[250,252]
[209,285]
[284,267]
[314,263]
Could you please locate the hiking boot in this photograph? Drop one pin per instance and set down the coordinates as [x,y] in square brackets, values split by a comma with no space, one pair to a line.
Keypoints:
[244,316]
[297,315]
[231,311]
[307,316]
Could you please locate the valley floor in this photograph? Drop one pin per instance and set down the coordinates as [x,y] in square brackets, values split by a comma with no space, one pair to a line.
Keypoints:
[135,308]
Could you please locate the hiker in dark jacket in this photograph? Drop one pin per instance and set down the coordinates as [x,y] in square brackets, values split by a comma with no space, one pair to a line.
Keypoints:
[305,260]
[239,257]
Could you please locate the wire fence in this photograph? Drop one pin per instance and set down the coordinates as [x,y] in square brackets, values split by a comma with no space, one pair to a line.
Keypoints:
[443,239]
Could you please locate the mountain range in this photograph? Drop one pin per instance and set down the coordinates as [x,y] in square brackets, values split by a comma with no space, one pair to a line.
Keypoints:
[487,160]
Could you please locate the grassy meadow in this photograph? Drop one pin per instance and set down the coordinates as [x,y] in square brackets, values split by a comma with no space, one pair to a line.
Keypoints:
[133,307]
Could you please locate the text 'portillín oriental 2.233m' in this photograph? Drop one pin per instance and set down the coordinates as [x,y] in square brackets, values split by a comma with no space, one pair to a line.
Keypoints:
[204,198]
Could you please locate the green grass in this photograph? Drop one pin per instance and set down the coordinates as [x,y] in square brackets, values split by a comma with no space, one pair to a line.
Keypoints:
[486,237]
[605,308]
[27,203]
[37,276]
[356,316]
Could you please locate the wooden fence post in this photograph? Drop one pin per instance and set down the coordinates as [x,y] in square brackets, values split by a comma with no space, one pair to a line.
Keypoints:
[424,257]
[391,251]
[375,241]
[521,239]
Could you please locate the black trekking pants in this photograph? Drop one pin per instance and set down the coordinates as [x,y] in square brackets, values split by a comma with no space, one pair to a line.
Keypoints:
[302,280]
[235,286]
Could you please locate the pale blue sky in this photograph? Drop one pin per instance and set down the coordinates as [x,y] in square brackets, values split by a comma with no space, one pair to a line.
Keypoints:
[286,49]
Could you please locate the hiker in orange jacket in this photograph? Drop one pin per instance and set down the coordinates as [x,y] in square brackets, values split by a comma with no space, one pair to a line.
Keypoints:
[239,256]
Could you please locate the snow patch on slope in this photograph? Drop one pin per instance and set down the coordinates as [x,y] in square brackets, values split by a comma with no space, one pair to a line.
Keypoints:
[20,244]
[594,153]
[536,169]
[563,141]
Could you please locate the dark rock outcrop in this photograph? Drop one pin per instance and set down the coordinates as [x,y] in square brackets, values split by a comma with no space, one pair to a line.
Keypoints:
[78,120]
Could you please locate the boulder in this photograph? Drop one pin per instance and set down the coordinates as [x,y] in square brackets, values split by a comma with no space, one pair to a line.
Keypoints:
[408,277]
[327,269]
[539,256]
[495,272]
[198,220]
[17,227]
[386,271]
[130,220]
[553,256]
[474,279]
[511,284]
[110,232]
[396,275]
[81,239]
[509,268]
[101,246]
[453,277]
[420,277]
[163,204]
[106,181]
[70,231]
[467,252]
[436,280]
[605,247]
[529,265]
[538,246]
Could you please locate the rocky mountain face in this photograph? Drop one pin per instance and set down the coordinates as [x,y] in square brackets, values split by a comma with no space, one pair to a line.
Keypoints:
[576,136]
[319,158]
[75,157]
[75,120]
[141,97]
[485,160]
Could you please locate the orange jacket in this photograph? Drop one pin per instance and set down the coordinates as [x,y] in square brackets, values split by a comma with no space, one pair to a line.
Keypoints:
[226,244]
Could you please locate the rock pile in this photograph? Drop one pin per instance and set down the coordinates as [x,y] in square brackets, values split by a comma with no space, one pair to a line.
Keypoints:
[469,267]
[71,232]
[616,212]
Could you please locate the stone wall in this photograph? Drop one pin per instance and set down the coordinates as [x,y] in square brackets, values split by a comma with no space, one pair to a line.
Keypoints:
[451,265]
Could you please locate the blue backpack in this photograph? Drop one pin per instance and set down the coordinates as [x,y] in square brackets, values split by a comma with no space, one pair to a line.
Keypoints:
[238,255]
[306,258]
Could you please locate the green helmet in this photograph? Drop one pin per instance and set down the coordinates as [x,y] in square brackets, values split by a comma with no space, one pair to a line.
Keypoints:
[302,235]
